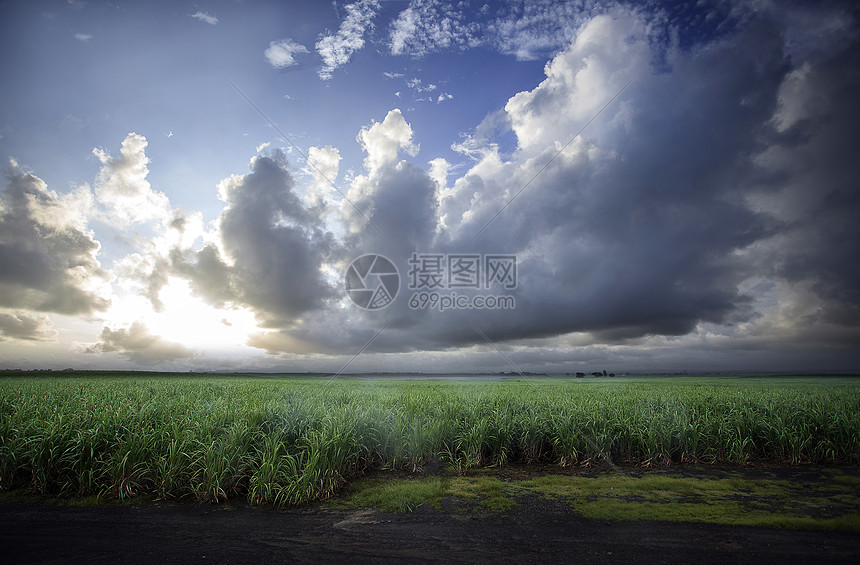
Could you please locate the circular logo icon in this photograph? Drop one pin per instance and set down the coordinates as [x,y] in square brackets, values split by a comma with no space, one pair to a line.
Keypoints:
[372,281]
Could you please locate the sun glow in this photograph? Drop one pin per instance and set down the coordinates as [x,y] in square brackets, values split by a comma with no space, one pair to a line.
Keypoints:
[187,320]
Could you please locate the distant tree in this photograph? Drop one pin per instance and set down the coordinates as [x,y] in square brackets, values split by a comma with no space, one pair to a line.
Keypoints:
[580,375]
[604,372]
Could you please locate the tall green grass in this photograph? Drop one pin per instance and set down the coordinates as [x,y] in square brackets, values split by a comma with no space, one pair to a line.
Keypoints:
[289,441]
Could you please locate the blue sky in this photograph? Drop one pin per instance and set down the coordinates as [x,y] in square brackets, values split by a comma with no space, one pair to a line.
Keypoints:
[703,220]
[98,71]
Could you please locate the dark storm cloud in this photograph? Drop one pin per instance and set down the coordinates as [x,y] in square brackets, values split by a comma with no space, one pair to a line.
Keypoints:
[659,241]
[207,274]
[718,191]
[820,242]
[643,243]
[401,212]
[47,258]
[137,344]
[636,235]
[648,225]
[274,248]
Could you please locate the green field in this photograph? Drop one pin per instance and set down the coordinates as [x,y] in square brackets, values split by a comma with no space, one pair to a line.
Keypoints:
[291,440]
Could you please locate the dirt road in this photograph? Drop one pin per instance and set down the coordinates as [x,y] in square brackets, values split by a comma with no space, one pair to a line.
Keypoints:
[536,531]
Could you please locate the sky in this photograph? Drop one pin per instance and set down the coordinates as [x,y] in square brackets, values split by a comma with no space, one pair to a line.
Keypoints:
[430,186]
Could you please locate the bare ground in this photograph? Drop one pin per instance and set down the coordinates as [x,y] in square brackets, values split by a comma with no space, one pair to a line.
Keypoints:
[536,531]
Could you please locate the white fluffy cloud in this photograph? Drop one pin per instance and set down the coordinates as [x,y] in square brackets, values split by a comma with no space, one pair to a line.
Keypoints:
[432,25]
[536,29]
[122,188]
[606,54]
[324,163]
[384,140]
[282,54]
[336,49]
[204,17]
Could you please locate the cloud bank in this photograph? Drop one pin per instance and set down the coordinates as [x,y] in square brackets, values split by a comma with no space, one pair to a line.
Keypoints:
[663,219]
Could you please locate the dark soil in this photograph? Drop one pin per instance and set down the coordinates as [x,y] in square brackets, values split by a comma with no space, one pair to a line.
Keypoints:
[536,531]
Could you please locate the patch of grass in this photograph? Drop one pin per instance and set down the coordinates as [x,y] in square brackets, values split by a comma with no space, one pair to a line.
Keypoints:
[393,495]
[712,511]
[724,499]
[731,500]
[483,494]
[851,480]
[489,493]
[832,505]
